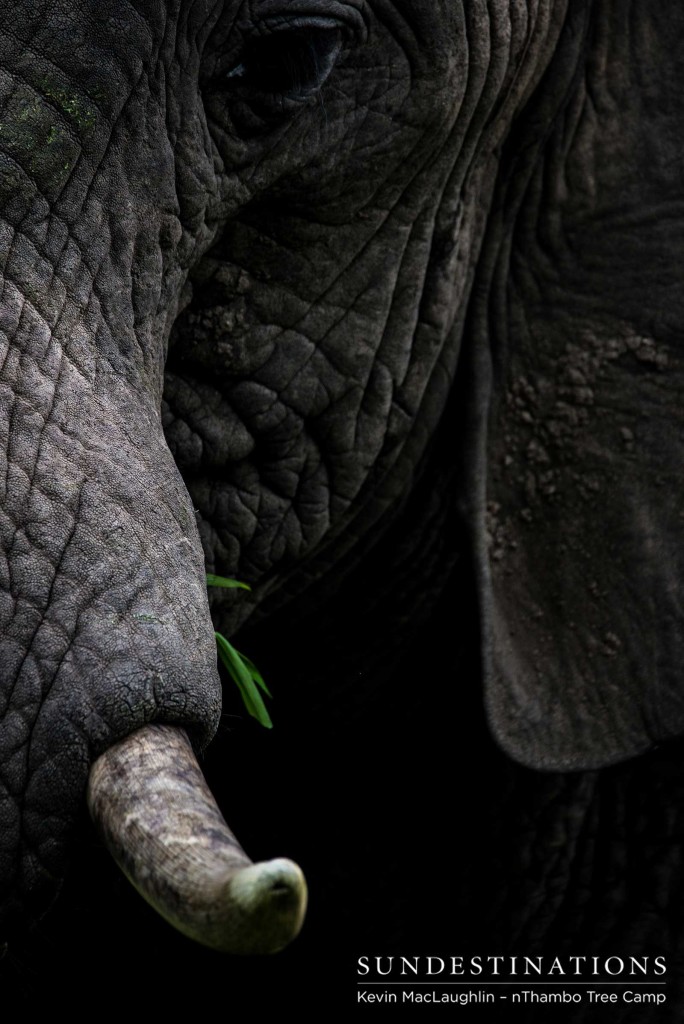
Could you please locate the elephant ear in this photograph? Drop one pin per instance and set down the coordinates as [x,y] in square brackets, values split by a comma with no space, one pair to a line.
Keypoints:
[582,550]
[585,564]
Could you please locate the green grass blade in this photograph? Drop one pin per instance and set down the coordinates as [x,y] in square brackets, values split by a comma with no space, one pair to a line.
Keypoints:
[256,675]
[240,670]
[225,581]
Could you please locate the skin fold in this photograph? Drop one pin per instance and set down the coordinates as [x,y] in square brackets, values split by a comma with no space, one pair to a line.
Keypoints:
[376,307]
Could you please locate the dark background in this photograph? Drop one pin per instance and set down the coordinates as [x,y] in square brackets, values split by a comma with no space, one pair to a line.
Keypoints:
[416,835]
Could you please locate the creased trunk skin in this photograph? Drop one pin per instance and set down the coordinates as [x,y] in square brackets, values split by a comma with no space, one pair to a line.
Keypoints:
[104,621]
[159,820]
[97,530]
[100,539]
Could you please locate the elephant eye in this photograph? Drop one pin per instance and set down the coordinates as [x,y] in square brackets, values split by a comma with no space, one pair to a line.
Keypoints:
[285,66]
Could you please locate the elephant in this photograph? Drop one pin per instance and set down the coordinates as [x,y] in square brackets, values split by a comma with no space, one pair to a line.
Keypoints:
[375,306]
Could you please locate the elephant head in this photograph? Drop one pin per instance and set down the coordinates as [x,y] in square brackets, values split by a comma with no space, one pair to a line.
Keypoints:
[250,254]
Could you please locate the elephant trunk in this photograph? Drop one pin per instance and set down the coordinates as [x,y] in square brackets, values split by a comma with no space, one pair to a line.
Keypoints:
[149,800]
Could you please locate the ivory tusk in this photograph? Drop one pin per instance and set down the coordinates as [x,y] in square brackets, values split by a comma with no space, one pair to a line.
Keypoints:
[160,822]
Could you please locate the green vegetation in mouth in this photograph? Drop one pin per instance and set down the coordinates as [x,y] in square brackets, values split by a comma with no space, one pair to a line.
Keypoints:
[241,670]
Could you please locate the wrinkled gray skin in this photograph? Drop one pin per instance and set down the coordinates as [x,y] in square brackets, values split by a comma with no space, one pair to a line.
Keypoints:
[480,192]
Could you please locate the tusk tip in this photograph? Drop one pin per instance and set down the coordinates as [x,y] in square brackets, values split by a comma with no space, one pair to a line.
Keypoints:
[271,899]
